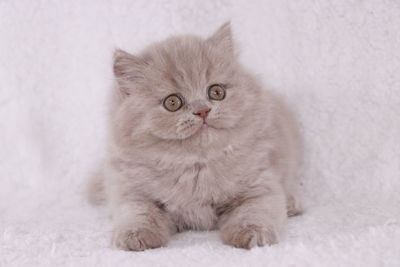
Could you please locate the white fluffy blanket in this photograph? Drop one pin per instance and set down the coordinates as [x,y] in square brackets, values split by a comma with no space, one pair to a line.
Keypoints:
[336,62]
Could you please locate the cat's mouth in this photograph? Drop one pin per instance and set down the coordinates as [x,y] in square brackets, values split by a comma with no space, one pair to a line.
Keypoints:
[202,128]
[205,127]
[207,124]
[197,129]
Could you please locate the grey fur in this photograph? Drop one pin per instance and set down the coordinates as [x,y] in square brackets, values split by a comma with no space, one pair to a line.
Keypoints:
[166,172]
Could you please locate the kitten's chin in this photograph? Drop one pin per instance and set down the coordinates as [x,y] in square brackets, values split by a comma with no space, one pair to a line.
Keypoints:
[201,131]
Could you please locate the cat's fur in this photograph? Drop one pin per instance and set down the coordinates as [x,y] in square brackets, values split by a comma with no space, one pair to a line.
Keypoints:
[166,174]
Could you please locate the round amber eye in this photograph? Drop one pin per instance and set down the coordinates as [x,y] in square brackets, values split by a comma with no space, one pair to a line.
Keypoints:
[216,92]
[173,102]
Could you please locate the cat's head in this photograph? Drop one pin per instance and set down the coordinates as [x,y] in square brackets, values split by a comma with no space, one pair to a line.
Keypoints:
[184,87]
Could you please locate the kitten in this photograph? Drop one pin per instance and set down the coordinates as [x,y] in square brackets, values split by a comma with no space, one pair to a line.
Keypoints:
[196,143]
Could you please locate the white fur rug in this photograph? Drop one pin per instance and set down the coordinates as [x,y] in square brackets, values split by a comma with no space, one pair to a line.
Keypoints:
[336,62]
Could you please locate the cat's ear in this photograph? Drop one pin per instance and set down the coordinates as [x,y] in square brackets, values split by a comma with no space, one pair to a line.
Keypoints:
[128,69]
[222,38]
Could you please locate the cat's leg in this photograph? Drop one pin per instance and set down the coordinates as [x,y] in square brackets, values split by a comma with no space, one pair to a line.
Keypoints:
[140,225]
[254,219]
[293,201]
[293,205]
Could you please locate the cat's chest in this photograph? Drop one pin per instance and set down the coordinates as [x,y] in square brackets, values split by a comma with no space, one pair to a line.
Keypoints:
[191,196]
[190,189]
[199,183]
[196,184]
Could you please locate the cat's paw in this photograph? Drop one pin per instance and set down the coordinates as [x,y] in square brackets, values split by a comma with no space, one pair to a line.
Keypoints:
[248,236]
[138,239]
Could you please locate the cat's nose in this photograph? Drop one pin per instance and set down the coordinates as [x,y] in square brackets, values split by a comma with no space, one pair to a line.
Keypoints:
[203,112]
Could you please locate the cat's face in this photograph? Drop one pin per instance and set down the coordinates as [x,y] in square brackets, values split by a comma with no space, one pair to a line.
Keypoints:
[185,87]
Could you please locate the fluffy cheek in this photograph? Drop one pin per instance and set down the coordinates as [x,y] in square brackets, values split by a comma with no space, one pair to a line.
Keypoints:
[222,118]
[227,114]
[174,125]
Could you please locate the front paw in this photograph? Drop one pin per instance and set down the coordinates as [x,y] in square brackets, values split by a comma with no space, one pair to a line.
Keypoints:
[138,239]
[248,236]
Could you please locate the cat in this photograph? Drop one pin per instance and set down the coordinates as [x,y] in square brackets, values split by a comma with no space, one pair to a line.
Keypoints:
[196,143]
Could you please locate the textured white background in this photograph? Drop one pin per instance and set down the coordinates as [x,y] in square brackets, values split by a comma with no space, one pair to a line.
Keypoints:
[336,62]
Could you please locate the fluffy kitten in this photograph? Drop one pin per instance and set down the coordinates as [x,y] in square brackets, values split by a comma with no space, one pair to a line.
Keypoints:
[196,143]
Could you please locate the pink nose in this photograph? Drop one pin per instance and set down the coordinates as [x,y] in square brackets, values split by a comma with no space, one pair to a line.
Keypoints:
[203,113]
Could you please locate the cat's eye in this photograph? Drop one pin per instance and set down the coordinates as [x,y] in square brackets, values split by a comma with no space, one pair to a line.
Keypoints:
[216,92]
[173,102]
